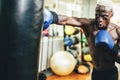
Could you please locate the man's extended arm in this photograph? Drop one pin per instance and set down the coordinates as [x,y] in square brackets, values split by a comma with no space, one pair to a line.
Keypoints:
[51,17]
[73,21]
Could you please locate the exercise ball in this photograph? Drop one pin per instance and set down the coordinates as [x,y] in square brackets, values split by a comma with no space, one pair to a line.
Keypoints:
[62,63]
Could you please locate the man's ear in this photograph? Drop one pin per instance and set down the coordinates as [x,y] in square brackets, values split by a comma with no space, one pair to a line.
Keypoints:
[111,13]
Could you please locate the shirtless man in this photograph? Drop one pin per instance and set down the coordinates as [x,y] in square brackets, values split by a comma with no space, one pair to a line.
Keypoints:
[103,59]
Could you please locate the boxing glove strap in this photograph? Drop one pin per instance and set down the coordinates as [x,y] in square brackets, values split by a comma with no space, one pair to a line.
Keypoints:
[116,53]
[116,49]
[55,17]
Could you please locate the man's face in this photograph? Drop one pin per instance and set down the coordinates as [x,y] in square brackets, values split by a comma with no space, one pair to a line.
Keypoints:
[102,16]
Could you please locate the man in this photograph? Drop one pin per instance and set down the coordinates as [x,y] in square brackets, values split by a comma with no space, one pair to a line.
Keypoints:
[104,57]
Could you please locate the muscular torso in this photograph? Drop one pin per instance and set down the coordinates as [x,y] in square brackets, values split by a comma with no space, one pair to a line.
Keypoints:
[102,60]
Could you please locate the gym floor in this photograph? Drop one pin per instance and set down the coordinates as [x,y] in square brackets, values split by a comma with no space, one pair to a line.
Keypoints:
[72,76]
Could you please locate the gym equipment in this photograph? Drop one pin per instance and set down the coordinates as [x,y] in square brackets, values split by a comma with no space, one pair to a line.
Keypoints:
[87,57]
[68,41]
[83,39]
[20,30]
[82,68]
[70,30]
[73,47]
[86,54]
[0,6]
[103,37]
[73,52]
[76,31]
[85,50]
[62,63]
[45,73]
[48,18]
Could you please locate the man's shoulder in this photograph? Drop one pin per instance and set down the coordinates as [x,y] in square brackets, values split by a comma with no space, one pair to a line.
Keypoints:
[116,27]
[91,20]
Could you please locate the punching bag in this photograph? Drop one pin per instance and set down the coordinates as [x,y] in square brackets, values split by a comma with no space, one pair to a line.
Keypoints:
[20,30]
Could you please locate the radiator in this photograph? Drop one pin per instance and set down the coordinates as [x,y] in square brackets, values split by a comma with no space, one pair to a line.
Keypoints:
[49,46]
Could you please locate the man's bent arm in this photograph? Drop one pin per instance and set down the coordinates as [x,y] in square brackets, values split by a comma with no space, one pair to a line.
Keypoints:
[117,47]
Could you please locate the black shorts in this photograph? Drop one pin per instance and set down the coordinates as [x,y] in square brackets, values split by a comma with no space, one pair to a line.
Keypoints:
[111,74]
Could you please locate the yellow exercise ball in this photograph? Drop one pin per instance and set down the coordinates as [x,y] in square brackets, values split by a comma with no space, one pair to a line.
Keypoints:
[62,63]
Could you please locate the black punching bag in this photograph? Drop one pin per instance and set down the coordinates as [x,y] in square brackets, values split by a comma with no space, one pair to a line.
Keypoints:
[20,30]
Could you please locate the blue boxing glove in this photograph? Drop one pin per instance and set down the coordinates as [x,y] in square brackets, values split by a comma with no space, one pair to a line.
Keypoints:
[49,18]
[103,37]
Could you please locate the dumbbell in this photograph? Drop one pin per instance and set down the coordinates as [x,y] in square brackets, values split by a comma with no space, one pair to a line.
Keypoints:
[82,68]
[73,52]
[83,39]
[68,41]
[45,73]
[86,54]
[70,30]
